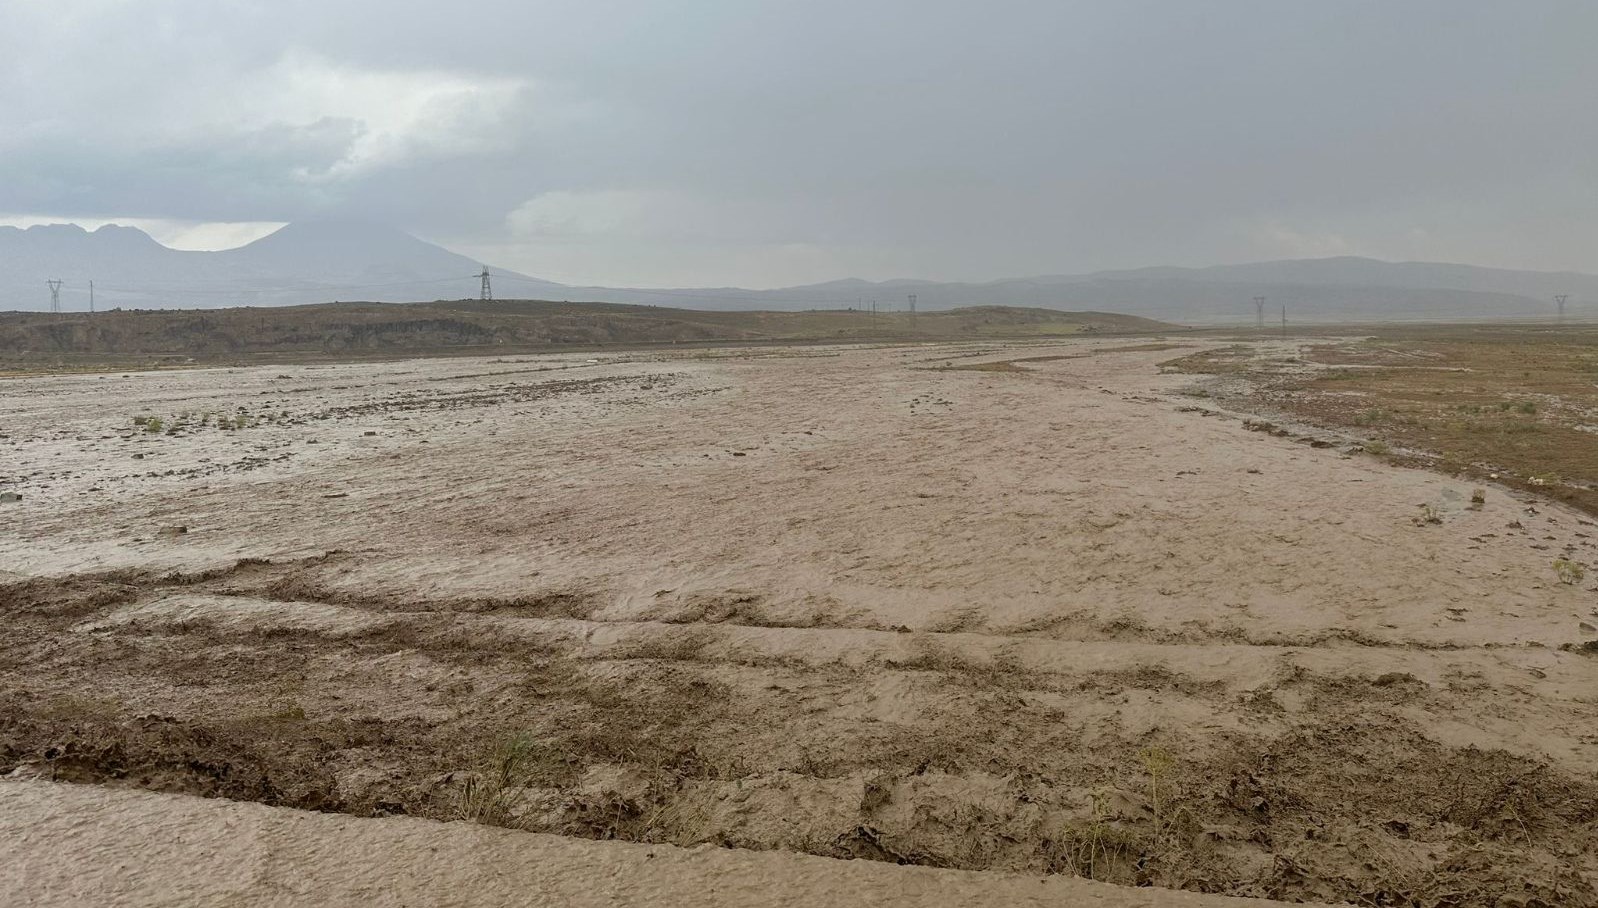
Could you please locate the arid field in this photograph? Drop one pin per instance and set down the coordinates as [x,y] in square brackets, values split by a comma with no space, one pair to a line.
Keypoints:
[1041,608]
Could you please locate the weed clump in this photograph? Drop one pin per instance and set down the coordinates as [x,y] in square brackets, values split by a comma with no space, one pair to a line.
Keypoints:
[1097,847]
[1428,516]
[1570,572]
[492,794]
[1370,417]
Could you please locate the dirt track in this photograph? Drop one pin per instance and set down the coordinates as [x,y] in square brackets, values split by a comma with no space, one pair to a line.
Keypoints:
[838,601]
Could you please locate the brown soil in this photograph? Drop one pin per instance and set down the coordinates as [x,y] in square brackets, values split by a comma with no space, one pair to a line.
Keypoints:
[834,601]
[1516,406]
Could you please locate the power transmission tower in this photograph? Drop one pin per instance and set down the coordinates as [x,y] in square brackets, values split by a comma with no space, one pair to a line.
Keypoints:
[55,294]
[488,291]
[912,310]
[1560,299]
[1259,312]
[1284,319]
[91,296]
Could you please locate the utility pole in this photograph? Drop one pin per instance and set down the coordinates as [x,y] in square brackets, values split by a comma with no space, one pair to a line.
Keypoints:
[1259,312]
[91,296]
[1560,299]
[488,291]
[55,294]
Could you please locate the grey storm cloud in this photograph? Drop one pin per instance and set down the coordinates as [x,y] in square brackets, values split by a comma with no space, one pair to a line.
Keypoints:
[765,143]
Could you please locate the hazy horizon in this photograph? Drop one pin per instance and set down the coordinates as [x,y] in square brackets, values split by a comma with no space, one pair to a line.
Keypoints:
[766,145]
[251,233]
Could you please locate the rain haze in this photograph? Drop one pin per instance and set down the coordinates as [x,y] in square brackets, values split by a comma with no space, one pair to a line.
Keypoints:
[765,144]
[731,454]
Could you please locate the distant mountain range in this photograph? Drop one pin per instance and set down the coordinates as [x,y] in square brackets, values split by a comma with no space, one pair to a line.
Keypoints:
[326,261]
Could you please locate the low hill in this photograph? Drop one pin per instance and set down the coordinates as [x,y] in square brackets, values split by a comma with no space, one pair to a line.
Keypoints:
[353,330]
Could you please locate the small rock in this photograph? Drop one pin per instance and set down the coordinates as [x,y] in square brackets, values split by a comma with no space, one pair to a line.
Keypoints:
[8,497]
[368,433]
[173,531]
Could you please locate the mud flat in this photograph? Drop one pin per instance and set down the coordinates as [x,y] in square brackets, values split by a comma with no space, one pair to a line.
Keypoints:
[1045,618]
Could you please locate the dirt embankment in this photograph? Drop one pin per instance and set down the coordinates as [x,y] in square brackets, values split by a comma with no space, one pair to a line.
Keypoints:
[343,330]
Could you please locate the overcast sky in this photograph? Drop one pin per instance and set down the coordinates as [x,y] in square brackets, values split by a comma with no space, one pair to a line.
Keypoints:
[771,143]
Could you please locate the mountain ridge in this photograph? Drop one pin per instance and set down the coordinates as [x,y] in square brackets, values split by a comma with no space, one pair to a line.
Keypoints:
[322,261]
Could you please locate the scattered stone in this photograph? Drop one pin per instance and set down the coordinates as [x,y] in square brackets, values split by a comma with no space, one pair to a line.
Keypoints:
[173,531]
[9,497]
[368,433]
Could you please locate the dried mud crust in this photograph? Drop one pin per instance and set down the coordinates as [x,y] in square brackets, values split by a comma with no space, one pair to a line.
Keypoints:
[243,683]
